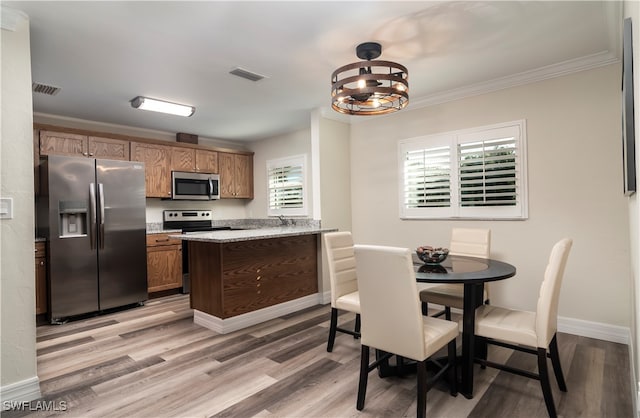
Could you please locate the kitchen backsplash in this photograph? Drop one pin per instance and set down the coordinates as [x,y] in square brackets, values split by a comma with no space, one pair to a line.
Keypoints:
[247,223]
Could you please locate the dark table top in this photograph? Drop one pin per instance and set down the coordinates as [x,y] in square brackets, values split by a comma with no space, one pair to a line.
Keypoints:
[461,269]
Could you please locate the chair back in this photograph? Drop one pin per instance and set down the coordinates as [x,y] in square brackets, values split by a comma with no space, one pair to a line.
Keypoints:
[342,264]
[470,242]
[547,310]
[389,302]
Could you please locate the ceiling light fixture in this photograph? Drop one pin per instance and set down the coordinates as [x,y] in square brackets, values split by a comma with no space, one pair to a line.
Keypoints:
[156,105]
[369,87]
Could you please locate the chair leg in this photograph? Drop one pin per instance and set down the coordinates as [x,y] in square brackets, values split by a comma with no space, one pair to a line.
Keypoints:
[364,375]
[482,348]
[357,328]
[544,382]
[453,368]
[332,329]
[422,389]
[555,361]
[425,309]
[447,313]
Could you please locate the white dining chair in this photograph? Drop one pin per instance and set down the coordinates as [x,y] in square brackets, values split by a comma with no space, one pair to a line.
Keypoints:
[519,330]
[392,320]
[470,242]
[344,286]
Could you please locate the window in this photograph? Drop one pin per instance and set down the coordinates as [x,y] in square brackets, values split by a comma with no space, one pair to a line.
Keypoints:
[287,186]
[477,173]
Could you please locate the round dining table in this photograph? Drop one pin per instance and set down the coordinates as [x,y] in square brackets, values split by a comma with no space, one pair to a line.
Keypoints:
[473,273]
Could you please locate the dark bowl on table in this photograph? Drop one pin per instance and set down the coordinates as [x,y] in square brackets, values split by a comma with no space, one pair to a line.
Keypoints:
[430,255]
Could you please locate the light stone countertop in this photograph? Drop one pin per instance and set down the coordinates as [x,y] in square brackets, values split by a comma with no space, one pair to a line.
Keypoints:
[251,234]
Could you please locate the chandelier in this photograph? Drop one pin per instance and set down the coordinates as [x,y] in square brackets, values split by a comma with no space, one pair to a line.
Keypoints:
[369,87]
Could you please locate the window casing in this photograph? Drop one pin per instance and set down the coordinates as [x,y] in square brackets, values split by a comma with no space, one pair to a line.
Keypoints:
[477,173]
[287,186]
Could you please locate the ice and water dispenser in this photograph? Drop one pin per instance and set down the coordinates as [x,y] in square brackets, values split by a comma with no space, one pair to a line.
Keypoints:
[74,218]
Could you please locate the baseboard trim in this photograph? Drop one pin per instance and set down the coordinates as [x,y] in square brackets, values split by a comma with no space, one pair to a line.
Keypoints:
[23,391]
[597,330]
[225,326]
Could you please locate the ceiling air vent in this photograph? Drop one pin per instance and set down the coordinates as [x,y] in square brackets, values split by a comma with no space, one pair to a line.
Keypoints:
[45,89]
[240,72]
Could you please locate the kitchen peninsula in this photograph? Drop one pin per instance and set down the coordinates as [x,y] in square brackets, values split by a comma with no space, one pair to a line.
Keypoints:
[243,277]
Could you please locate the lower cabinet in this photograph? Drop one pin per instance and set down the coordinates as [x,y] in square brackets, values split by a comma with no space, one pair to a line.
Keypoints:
[164,262]
[229,279]
[41,278]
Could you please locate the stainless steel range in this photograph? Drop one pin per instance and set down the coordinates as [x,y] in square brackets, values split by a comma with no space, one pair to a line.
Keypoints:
[189,221]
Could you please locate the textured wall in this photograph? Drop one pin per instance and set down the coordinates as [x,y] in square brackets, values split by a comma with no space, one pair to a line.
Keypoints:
[17,282]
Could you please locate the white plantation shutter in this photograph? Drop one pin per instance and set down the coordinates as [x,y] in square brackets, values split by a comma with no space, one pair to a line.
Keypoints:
[286,185]
[478,173]
[488,173]
[427,175]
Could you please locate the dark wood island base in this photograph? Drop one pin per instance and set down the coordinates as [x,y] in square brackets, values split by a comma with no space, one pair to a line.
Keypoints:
[234,278]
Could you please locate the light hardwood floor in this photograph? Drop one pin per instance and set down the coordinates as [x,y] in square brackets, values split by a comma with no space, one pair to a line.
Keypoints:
[153,361]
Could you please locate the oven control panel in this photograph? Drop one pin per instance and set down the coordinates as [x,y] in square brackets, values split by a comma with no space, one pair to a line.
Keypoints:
[187,215]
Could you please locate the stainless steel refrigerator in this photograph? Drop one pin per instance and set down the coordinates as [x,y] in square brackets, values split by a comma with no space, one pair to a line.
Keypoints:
[92,212]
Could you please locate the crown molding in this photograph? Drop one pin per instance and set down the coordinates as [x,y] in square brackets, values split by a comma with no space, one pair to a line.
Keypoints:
[526,77]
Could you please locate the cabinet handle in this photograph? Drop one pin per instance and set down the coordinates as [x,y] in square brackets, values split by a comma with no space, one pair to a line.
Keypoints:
[85,154]
[42,263]
[91,154]
[163,240]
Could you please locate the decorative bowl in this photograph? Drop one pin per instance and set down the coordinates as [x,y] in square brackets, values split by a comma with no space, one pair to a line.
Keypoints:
[431,255]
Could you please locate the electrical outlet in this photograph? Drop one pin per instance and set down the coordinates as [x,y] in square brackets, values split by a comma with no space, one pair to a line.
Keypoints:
[6,208]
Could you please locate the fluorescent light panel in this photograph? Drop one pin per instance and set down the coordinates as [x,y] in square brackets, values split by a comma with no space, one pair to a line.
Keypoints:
[156,105]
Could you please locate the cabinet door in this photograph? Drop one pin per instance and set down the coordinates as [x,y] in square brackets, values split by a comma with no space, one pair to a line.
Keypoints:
[206,161]
[157,160]
[60,143]
[164,268]
[227,168]
[109,148]
[183,159]
[41,278]
[243,176]
[236,175]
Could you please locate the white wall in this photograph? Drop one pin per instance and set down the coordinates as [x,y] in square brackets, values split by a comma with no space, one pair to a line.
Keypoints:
[18,378]
[295,143]
[575,189]
[632,10]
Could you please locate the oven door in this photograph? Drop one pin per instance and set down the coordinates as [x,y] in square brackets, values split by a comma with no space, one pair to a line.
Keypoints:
[194,186]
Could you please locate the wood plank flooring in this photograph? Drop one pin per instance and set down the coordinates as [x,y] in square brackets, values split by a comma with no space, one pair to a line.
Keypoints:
[152,361]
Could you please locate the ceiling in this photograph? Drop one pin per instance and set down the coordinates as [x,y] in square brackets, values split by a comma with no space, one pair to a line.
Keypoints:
[103,54]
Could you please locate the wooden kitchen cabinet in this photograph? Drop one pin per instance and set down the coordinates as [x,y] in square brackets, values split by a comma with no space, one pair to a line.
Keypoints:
[207,161]
[41,278]
[164,262]
[230,279]
[183,159]
[194,160]
[157,167]
[74,145]
[236,175]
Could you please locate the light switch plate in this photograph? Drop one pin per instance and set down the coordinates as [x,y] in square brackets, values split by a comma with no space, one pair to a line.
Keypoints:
[6,207]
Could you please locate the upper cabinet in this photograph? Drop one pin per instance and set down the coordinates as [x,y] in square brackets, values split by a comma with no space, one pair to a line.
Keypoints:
[235,169]
[157,167]
[194,160]
[183,159]
[207,161]
[236,175]
[62,143]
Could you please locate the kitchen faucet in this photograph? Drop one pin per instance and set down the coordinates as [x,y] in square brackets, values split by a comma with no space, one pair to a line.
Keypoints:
[283,220]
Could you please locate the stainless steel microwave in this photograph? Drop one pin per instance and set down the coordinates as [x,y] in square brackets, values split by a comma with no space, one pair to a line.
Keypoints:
[194,186]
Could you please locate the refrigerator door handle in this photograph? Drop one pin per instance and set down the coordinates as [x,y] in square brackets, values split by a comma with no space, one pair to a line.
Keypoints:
[101,194]
[92,215]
